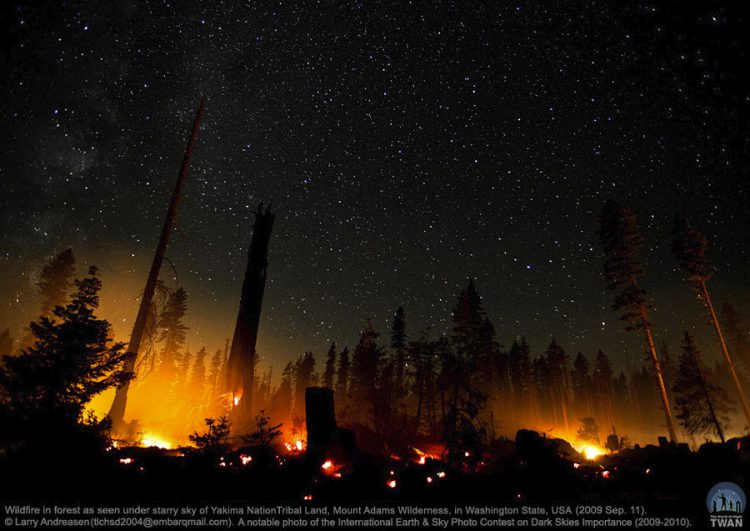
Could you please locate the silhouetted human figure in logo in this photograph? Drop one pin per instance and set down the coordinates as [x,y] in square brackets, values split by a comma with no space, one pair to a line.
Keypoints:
[723,501]
[714,502]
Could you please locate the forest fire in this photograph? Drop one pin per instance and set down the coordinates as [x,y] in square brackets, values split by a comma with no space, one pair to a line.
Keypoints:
[149,440]
[591,452]
[295,447]
[422,457]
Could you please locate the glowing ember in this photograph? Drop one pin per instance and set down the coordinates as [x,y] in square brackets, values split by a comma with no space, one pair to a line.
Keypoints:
[327,465]
[605,474]
[298,445]
[391,484]
[245,459]
[441,474]
[466,454]
[429,479]
[308,497]
[236,400]
[576,465]
[127,460]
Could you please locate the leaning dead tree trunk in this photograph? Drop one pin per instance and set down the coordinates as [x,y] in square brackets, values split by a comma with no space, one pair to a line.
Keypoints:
[730,363]
[117,411]
[646,326]
[242,356]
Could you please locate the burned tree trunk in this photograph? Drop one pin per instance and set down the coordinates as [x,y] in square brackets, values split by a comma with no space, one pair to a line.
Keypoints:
[320,417]
[243,357]
[117,411]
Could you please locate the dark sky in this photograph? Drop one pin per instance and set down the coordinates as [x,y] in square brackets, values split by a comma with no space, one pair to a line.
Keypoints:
[407,146]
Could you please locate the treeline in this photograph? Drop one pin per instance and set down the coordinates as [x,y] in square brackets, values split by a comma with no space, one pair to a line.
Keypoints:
[463,389]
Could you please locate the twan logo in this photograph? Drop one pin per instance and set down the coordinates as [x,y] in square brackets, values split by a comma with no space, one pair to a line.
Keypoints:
[726,503]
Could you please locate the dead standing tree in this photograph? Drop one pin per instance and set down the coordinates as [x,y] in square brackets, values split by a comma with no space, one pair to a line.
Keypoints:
[621,242]
[117,411]
[689,246]
[243,356]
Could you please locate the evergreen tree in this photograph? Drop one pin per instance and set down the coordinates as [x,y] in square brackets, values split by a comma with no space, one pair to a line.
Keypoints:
[48,386]
[700,404]
[580,379]
[330,368]
[304,371]
[342,381]
[622,242]
[365,369]
[180,382]
[463,430]
[689,246]
[557,373]
[215,440]
[399,345]
[216,378]
[398,330]
[603,379]
[282,402]
[264,434]
[56,280]
[519,361]
[173,332]
[198,375]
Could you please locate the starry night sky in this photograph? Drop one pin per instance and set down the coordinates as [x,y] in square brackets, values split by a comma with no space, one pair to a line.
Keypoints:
[407,147]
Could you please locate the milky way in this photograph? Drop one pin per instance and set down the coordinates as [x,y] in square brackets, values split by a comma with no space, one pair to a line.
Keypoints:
[407,148]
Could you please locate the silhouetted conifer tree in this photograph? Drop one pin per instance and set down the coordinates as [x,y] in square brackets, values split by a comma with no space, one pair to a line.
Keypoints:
[281,405]
[463,431]
[557,374]
[56,280]
[342,385]
[603,380]
[304,371]
[48,386]
[519,360]
[217,376]
[330,368]
[580,379]
[198,374]
[399,346]
[365,371]
[172,332]
[699,403]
